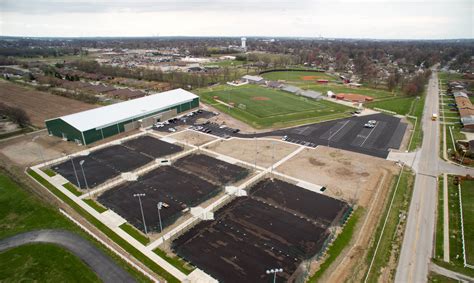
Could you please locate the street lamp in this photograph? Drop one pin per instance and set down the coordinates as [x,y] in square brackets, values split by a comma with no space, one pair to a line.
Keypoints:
[256,150]
[159,206]
[84,174]
[75,172]
[141,209]
[274,272]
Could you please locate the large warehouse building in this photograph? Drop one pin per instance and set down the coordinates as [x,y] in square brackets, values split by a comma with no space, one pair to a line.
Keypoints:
[92,125]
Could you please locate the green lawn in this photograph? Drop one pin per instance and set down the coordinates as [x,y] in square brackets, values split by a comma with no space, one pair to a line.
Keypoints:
[132,231]
[43,263]
[70,187]
[22,212]
[400,105]
[296,77]
[393,233]
[176,261]
[467,194]
[439,236]
[106,230]
[99,208]
[266,107]
[49,172]
[339,244]
[455,240]
[437,278]
[226,63]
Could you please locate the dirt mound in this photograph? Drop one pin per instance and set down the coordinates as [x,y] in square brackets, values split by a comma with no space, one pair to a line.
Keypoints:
[310,78]
[260,98]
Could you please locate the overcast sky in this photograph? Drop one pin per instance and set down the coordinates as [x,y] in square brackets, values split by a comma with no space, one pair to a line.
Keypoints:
[397,19]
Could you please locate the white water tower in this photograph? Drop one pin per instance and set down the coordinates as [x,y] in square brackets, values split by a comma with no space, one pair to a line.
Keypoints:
[244,45]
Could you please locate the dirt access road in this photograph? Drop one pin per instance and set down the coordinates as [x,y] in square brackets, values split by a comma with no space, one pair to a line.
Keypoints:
[39,105]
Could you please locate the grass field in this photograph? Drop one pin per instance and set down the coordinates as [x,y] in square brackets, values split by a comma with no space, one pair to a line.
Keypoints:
[98,207]
[107,231]
[339,244]
[392,237]
[439,243]
[43,263]
[266,107]
[21,212]
[296,77]
[437,278]
[467,194]
[132,231]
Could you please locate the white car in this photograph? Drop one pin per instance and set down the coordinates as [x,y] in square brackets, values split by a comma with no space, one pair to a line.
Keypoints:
[222,127]
[369,125]
[172,130]
[166,123]
[284,138]
[372,122]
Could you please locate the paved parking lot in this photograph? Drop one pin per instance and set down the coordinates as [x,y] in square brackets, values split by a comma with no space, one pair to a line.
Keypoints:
[348,134]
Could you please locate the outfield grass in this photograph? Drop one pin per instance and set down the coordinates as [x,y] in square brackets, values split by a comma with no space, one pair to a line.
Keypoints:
[22,212]
[467,194]
[400,105]
[107,231]
[226,63]
[377,94]
[392,237]
[339,244]
[266,107]
[43,263]
[296,77]
[132,231]
[99,208]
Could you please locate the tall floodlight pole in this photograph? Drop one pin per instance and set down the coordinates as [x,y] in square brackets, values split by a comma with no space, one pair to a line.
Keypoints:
[159,206]
[84,174]
[274,272]
[139,196]
[75,172]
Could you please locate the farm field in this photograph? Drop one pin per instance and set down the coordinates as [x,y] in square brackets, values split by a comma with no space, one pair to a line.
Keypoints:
[262,107]
[39,105]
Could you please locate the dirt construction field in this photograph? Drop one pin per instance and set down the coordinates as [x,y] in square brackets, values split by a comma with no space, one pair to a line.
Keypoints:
[346,175]
[247,149]
[39,105]
[193,138]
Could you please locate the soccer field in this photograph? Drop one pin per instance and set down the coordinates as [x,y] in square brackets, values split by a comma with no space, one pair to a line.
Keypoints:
[264,107]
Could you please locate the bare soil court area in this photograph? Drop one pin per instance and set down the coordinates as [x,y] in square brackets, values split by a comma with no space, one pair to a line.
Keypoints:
[346,175]
[109,162]
[39,105]
[265,151]
[189,182]
[251,234]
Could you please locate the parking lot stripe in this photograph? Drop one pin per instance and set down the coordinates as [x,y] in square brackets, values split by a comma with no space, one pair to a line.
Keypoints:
[369,135]
[338,130]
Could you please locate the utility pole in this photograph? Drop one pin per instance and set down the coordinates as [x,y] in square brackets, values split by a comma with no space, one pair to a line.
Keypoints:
[159,206]
[75,172]
[83,174]
[274,272]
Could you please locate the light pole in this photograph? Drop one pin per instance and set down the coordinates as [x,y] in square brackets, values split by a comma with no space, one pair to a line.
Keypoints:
[273,156]
[84,174]
[274,272]
[75,172]
[141,209]
[159,206]
[39,147]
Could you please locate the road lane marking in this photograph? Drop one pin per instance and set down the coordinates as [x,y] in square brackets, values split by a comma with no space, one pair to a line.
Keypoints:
[338,130]
[369,135]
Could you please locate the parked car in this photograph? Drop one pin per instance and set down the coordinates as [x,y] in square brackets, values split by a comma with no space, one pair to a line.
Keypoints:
[235,131]
[368,125]
[284,138]
[172,130]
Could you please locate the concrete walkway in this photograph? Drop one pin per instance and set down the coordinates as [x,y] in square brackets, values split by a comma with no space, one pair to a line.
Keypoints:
[99,262]
[451,274]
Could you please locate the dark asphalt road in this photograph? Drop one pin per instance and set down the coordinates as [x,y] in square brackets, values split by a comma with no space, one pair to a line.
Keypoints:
[99,262]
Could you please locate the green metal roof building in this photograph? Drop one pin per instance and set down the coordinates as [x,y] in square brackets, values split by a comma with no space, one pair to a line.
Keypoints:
[92,125]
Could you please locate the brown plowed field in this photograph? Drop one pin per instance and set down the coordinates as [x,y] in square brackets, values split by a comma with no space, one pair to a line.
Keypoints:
[39,105]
